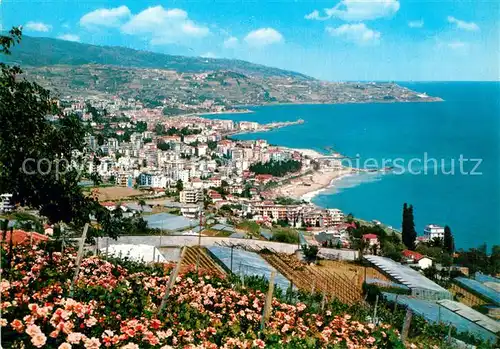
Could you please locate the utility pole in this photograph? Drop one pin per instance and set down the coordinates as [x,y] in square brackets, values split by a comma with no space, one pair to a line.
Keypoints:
[200,214]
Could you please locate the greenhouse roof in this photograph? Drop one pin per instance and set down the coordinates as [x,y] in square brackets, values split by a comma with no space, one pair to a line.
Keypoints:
[404,274]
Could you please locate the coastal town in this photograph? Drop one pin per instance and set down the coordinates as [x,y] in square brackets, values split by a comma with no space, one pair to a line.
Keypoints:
[133,216]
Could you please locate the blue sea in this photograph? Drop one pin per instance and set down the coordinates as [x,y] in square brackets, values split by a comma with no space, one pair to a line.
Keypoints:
[446,191]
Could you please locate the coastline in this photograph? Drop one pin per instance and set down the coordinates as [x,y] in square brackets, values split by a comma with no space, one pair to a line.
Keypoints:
[306,187]
[234,111]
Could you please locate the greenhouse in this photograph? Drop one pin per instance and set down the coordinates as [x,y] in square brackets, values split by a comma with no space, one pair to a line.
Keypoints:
[479,288]
[436,313]
[167,221]
[247,263]
[420,286]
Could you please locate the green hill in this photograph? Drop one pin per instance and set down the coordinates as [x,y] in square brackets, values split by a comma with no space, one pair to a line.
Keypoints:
[34,51]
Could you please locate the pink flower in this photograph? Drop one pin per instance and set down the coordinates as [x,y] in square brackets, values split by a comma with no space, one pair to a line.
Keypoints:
[17,325]
[33,330]
[39,340]
[130,346]
[259,343]
[92,343]
[65,346]
[75,337]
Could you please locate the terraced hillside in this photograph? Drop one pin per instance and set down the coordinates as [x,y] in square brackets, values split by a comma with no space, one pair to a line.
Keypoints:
[315,278]
[353,272]
[199,256]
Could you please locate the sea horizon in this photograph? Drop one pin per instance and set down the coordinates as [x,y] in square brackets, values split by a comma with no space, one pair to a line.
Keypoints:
[440,128]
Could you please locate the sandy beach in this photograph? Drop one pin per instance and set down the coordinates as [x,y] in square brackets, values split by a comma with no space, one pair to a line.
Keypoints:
[313,154]
[306,187]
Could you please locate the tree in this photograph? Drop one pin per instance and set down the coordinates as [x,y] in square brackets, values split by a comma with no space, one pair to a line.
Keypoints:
[409,234]
[179,185]
[41,160]
[310,252]
[28,139]
[448,243]
[159,129]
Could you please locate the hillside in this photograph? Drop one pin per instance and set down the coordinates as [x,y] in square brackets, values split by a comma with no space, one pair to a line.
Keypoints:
[74,70]
[47,51]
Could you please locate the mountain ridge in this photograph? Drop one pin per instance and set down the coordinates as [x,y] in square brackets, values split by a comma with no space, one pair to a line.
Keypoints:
[43,51]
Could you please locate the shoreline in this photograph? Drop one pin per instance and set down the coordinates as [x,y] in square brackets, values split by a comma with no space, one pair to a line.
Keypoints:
[430,99]
[308,186]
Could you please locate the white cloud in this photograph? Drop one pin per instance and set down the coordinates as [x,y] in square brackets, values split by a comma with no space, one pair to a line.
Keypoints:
[469,26]
[263,37]
[38,27]
[208,55]
[458,45]
[104,17]
[358,33]
[164,26]
[69,37]
[231,42]
[416,24]
[315,15]
[358,10]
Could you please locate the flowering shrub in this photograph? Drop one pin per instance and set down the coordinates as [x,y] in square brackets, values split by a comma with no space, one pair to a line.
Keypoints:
[115,305]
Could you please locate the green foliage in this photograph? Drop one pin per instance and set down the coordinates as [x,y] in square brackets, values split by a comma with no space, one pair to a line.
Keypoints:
[276,168]
[409,234]
[25,134]
[171,111]
[448,243]
[163,146]
[477,259]
[287,201]
[179,185]
[288,236]
[249,226]
[310,252]
[212,145]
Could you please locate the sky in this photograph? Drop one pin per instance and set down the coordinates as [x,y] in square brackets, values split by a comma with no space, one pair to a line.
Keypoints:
[345,40]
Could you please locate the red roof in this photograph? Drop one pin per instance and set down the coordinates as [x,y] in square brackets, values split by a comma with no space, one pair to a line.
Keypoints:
[108,204]
[370,236]
[412,254]
[23,237]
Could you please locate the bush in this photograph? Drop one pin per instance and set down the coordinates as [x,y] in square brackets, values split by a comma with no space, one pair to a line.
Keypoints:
[288,236]
[310,252]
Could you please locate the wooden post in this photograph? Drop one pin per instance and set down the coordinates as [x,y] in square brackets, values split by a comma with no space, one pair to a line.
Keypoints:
[269,300]
[79,259]
[171,279]
[406,325]
[323,301]
[232,258]
[449,339]
[374,320]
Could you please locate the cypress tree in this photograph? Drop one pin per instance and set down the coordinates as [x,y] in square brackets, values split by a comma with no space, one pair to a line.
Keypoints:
[413,233]
[408,227]
[448,242]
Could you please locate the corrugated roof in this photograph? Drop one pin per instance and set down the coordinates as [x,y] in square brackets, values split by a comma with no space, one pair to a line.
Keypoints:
[405,275]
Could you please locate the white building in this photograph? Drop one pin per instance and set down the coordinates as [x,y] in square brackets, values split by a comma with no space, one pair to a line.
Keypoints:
[190,210]
[432,231]
[5,204]
[337,216]
[190,196]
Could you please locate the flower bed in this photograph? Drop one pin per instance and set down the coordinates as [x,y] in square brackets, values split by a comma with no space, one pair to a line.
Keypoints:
[115,305]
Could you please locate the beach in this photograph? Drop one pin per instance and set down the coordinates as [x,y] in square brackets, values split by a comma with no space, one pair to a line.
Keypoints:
[308,186]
